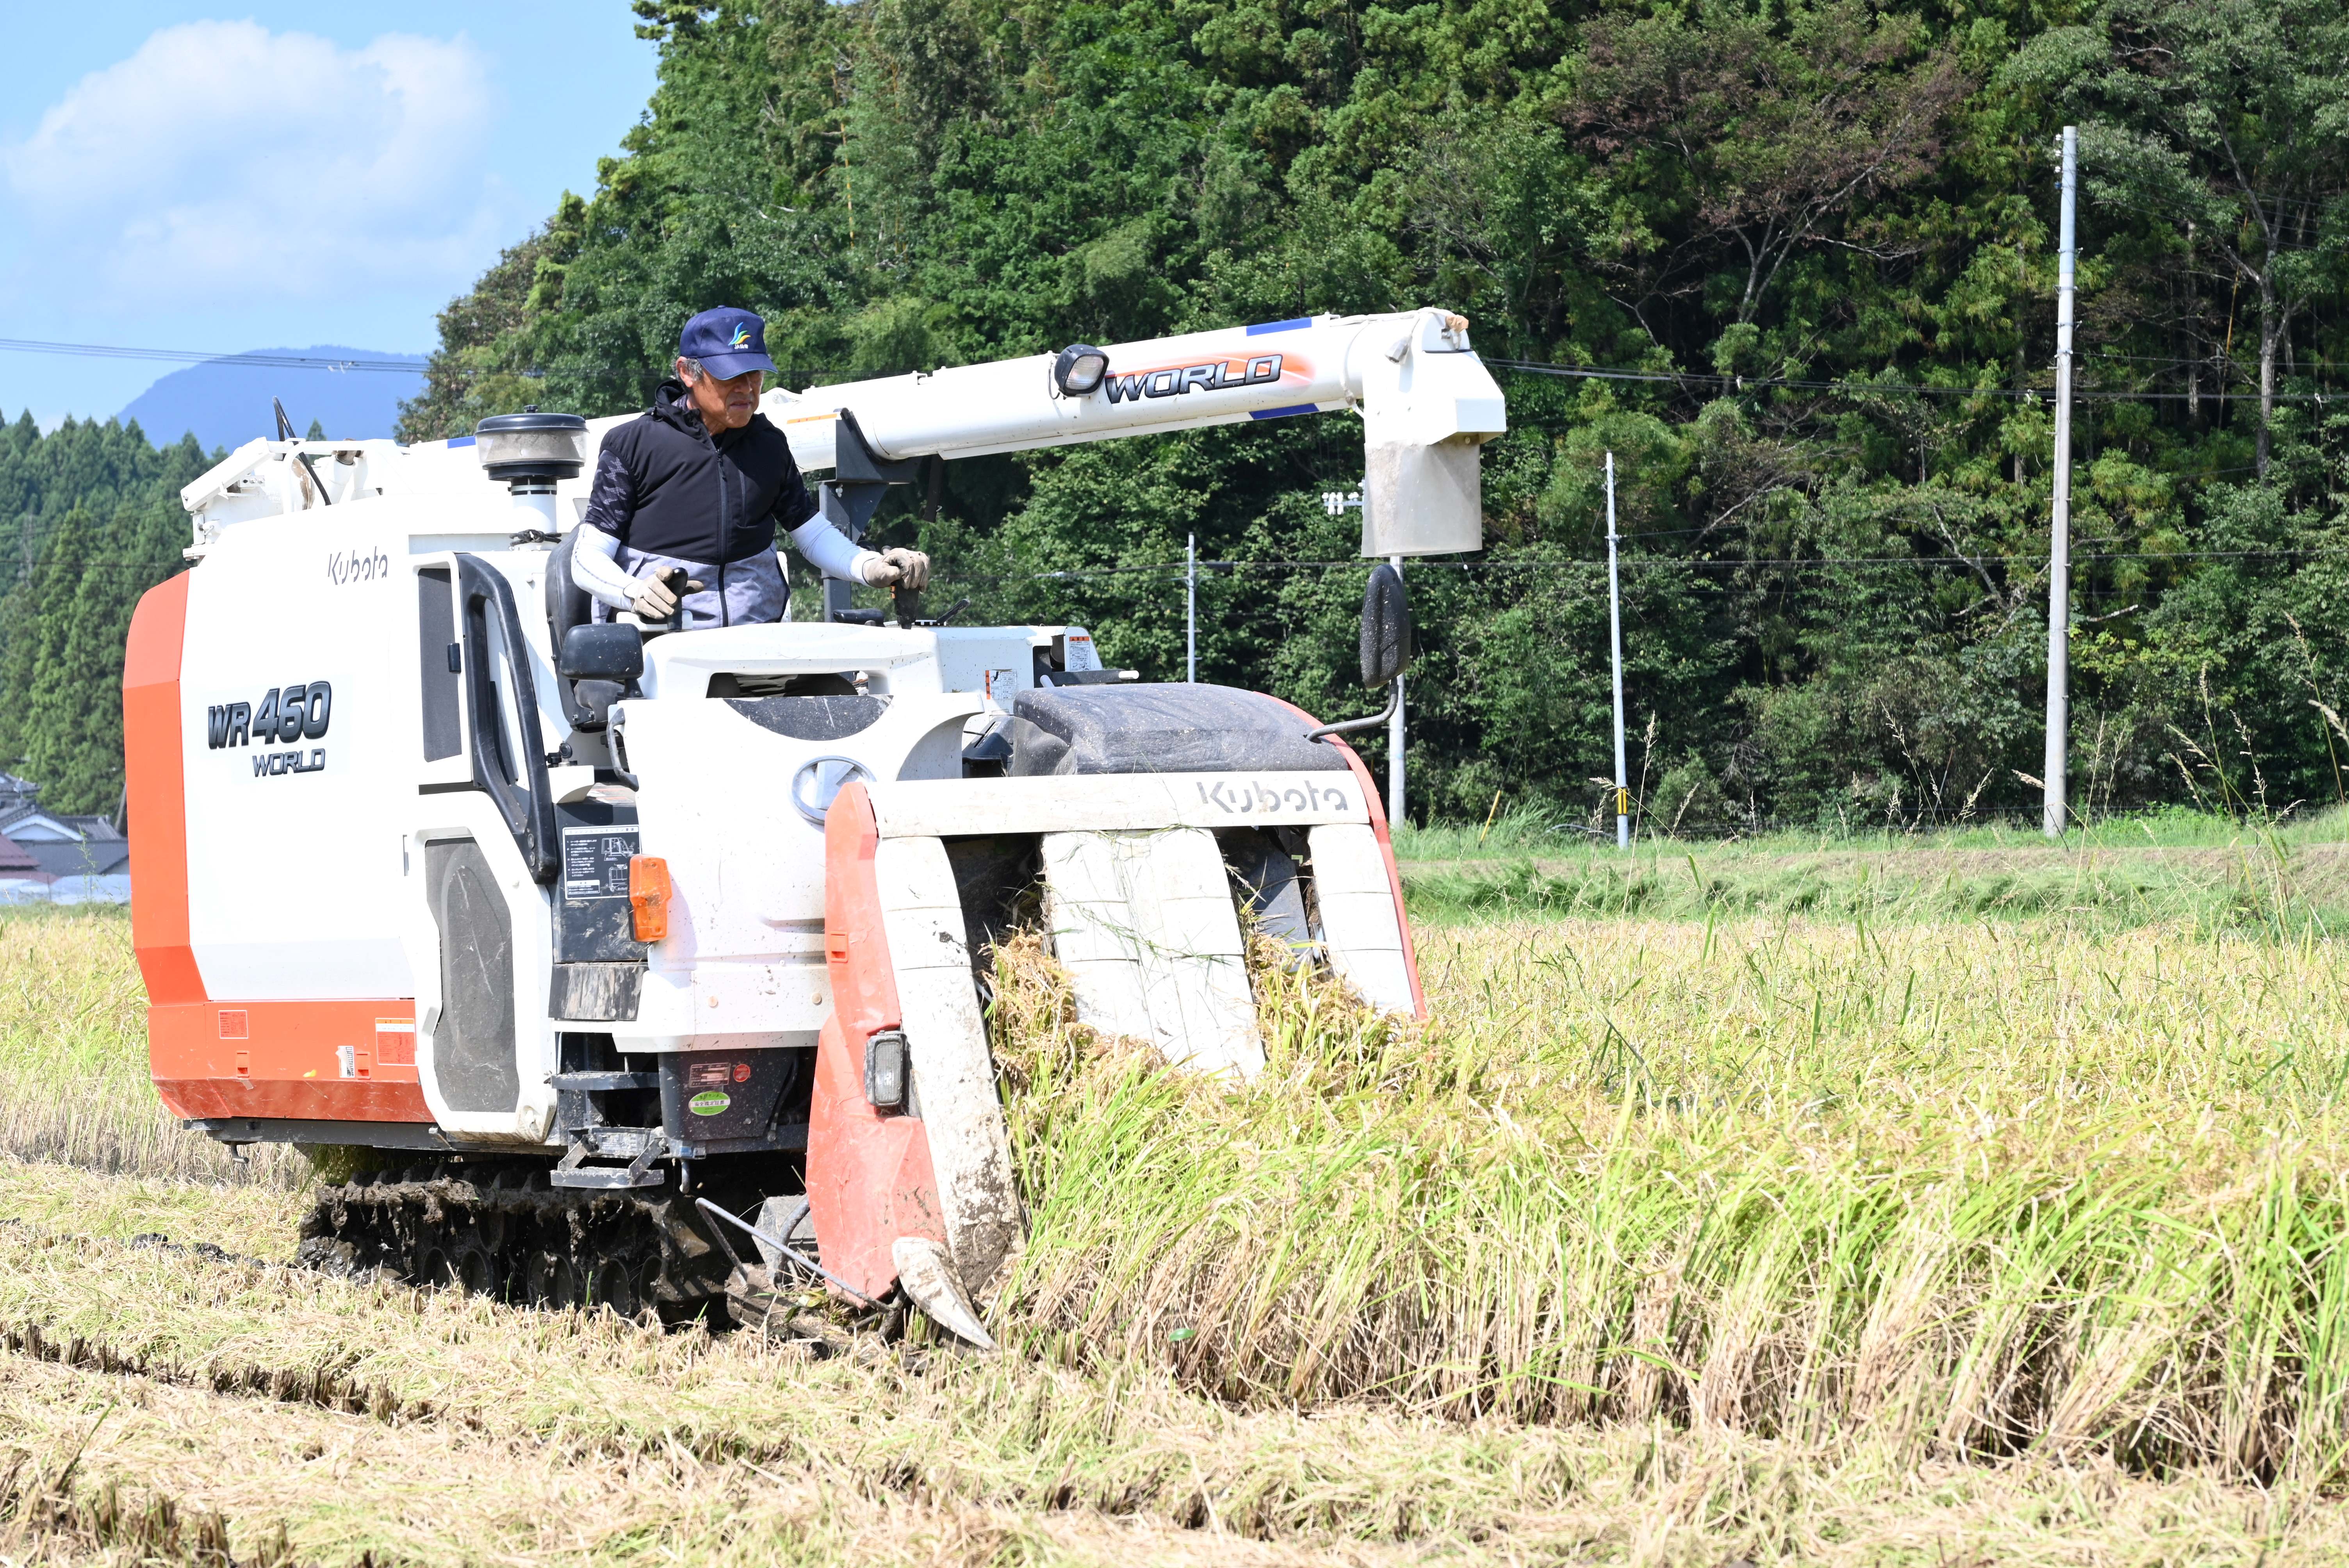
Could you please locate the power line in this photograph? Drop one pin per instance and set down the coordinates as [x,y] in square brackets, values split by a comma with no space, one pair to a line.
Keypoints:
[1693,379]
[195,356]
[1176,570]
[1685,379]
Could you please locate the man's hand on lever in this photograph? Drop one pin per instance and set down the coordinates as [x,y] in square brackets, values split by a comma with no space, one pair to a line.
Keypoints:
[656,600]
[907,569]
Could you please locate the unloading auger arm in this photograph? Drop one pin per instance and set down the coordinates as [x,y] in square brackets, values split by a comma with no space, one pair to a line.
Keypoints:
[1427,404]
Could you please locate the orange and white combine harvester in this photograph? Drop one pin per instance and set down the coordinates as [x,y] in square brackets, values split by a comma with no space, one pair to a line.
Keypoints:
[659,961]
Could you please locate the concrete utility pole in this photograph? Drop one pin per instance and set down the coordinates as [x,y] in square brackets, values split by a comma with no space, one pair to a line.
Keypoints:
[2059,546]
[1394,737]
[1615,632]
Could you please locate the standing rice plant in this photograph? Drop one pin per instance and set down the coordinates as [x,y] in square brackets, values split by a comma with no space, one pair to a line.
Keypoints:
[1989,1193]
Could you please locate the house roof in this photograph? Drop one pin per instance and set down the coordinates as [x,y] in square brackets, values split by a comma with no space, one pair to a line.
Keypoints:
[26,826]
[25,819]
[13,857]
[102,858]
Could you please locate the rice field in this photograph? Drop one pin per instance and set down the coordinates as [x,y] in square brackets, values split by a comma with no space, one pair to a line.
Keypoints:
[1869,1233]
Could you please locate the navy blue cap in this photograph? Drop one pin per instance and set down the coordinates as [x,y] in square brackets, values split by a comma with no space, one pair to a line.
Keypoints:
[727,341]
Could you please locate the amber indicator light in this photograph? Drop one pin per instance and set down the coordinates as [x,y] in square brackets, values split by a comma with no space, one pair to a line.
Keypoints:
[648,897]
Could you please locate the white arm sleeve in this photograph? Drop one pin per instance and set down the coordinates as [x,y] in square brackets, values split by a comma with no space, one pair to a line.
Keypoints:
[595,568]
[829,549]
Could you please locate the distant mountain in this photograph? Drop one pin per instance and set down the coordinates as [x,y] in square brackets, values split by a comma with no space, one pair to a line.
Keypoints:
[227,404]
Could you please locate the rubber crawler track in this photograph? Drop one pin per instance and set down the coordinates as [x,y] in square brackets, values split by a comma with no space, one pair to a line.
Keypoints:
[497,1228]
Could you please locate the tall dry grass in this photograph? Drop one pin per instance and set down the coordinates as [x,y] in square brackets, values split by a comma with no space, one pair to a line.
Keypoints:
[1976,1191]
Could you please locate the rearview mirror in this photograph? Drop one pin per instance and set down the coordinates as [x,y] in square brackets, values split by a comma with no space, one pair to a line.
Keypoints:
[1386,627]
[611,651]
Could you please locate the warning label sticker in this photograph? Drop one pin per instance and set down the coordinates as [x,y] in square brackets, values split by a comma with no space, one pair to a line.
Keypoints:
[395,1041]
[595,861]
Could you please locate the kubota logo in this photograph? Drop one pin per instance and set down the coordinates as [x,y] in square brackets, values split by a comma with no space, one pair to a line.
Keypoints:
[1175,380]
[1282,796]
[357,566]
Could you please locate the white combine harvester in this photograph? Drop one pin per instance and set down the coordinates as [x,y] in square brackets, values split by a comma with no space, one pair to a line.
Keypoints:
[663,956]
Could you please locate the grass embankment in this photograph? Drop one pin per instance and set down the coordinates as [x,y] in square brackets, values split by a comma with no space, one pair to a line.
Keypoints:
[2178,868]
[1666,1241]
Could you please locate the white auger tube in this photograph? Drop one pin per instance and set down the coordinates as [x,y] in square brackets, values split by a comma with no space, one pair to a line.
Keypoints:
[1427,403]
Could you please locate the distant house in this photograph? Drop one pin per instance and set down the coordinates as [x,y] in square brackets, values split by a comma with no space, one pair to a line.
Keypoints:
[49,857]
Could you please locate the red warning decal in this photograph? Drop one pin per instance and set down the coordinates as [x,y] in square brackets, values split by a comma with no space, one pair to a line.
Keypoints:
[395,1041]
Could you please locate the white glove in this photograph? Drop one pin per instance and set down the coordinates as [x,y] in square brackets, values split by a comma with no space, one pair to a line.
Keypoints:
[892,567]
[655,601]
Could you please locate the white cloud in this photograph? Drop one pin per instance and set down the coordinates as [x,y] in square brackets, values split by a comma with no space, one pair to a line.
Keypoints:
[224,163]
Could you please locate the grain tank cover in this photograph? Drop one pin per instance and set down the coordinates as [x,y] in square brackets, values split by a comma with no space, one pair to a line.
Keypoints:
[1160,729]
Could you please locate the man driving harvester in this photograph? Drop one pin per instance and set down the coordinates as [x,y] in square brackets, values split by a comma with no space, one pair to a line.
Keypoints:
[689,498]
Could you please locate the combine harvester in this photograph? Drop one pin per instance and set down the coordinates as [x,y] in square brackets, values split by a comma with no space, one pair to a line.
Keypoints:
[662,957]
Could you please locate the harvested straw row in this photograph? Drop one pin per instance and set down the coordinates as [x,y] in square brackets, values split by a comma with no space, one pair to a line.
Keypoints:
[557,1437]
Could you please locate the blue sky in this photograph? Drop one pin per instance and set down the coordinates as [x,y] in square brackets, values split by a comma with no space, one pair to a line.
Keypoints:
[223,177]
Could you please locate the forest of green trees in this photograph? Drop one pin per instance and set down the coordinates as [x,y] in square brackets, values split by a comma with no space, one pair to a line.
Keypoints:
[90,520]
[1820,232]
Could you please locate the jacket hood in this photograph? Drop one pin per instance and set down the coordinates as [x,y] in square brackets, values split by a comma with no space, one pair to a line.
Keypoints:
[672,406]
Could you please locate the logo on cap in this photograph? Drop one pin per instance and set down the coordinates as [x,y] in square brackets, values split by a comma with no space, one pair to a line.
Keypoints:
[741,338]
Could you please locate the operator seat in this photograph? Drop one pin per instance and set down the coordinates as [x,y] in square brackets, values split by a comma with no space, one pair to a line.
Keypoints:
[586,705]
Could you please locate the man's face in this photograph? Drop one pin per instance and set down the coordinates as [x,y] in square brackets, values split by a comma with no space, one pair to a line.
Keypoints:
[724,404]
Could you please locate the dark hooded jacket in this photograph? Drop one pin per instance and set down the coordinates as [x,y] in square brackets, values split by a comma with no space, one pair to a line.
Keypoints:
[664,486]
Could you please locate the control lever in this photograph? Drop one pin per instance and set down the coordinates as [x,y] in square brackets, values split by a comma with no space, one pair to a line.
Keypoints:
[907,602]
[673,578]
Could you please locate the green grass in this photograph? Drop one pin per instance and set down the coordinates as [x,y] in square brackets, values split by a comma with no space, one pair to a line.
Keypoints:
[2183,868]
[1517,832]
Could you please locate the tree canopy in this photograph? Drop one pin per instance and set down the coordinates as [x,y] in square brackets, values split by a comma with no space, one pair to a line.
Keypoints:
[90,520]
[1819,234]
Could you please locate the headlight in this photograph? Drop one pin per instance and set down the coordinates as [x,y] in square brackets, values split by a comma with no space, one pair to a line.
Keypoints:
[1078,370]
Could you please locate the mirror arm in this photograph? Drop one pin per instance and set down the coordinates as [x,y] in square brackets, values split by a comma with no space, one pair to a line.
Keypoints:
[1394,695]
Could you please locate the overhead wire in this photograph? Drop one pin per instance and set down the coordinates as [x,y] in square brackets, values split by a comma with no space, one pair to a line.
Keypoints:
[1174,571]
[1731,381]
[1854,388]
[195,356]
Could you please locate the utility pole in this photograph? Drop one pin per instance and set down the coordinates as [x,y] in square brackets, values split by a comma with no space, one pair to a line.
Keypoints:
[2059,546]
[1191,612]
[1394,737]
[1615,632]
